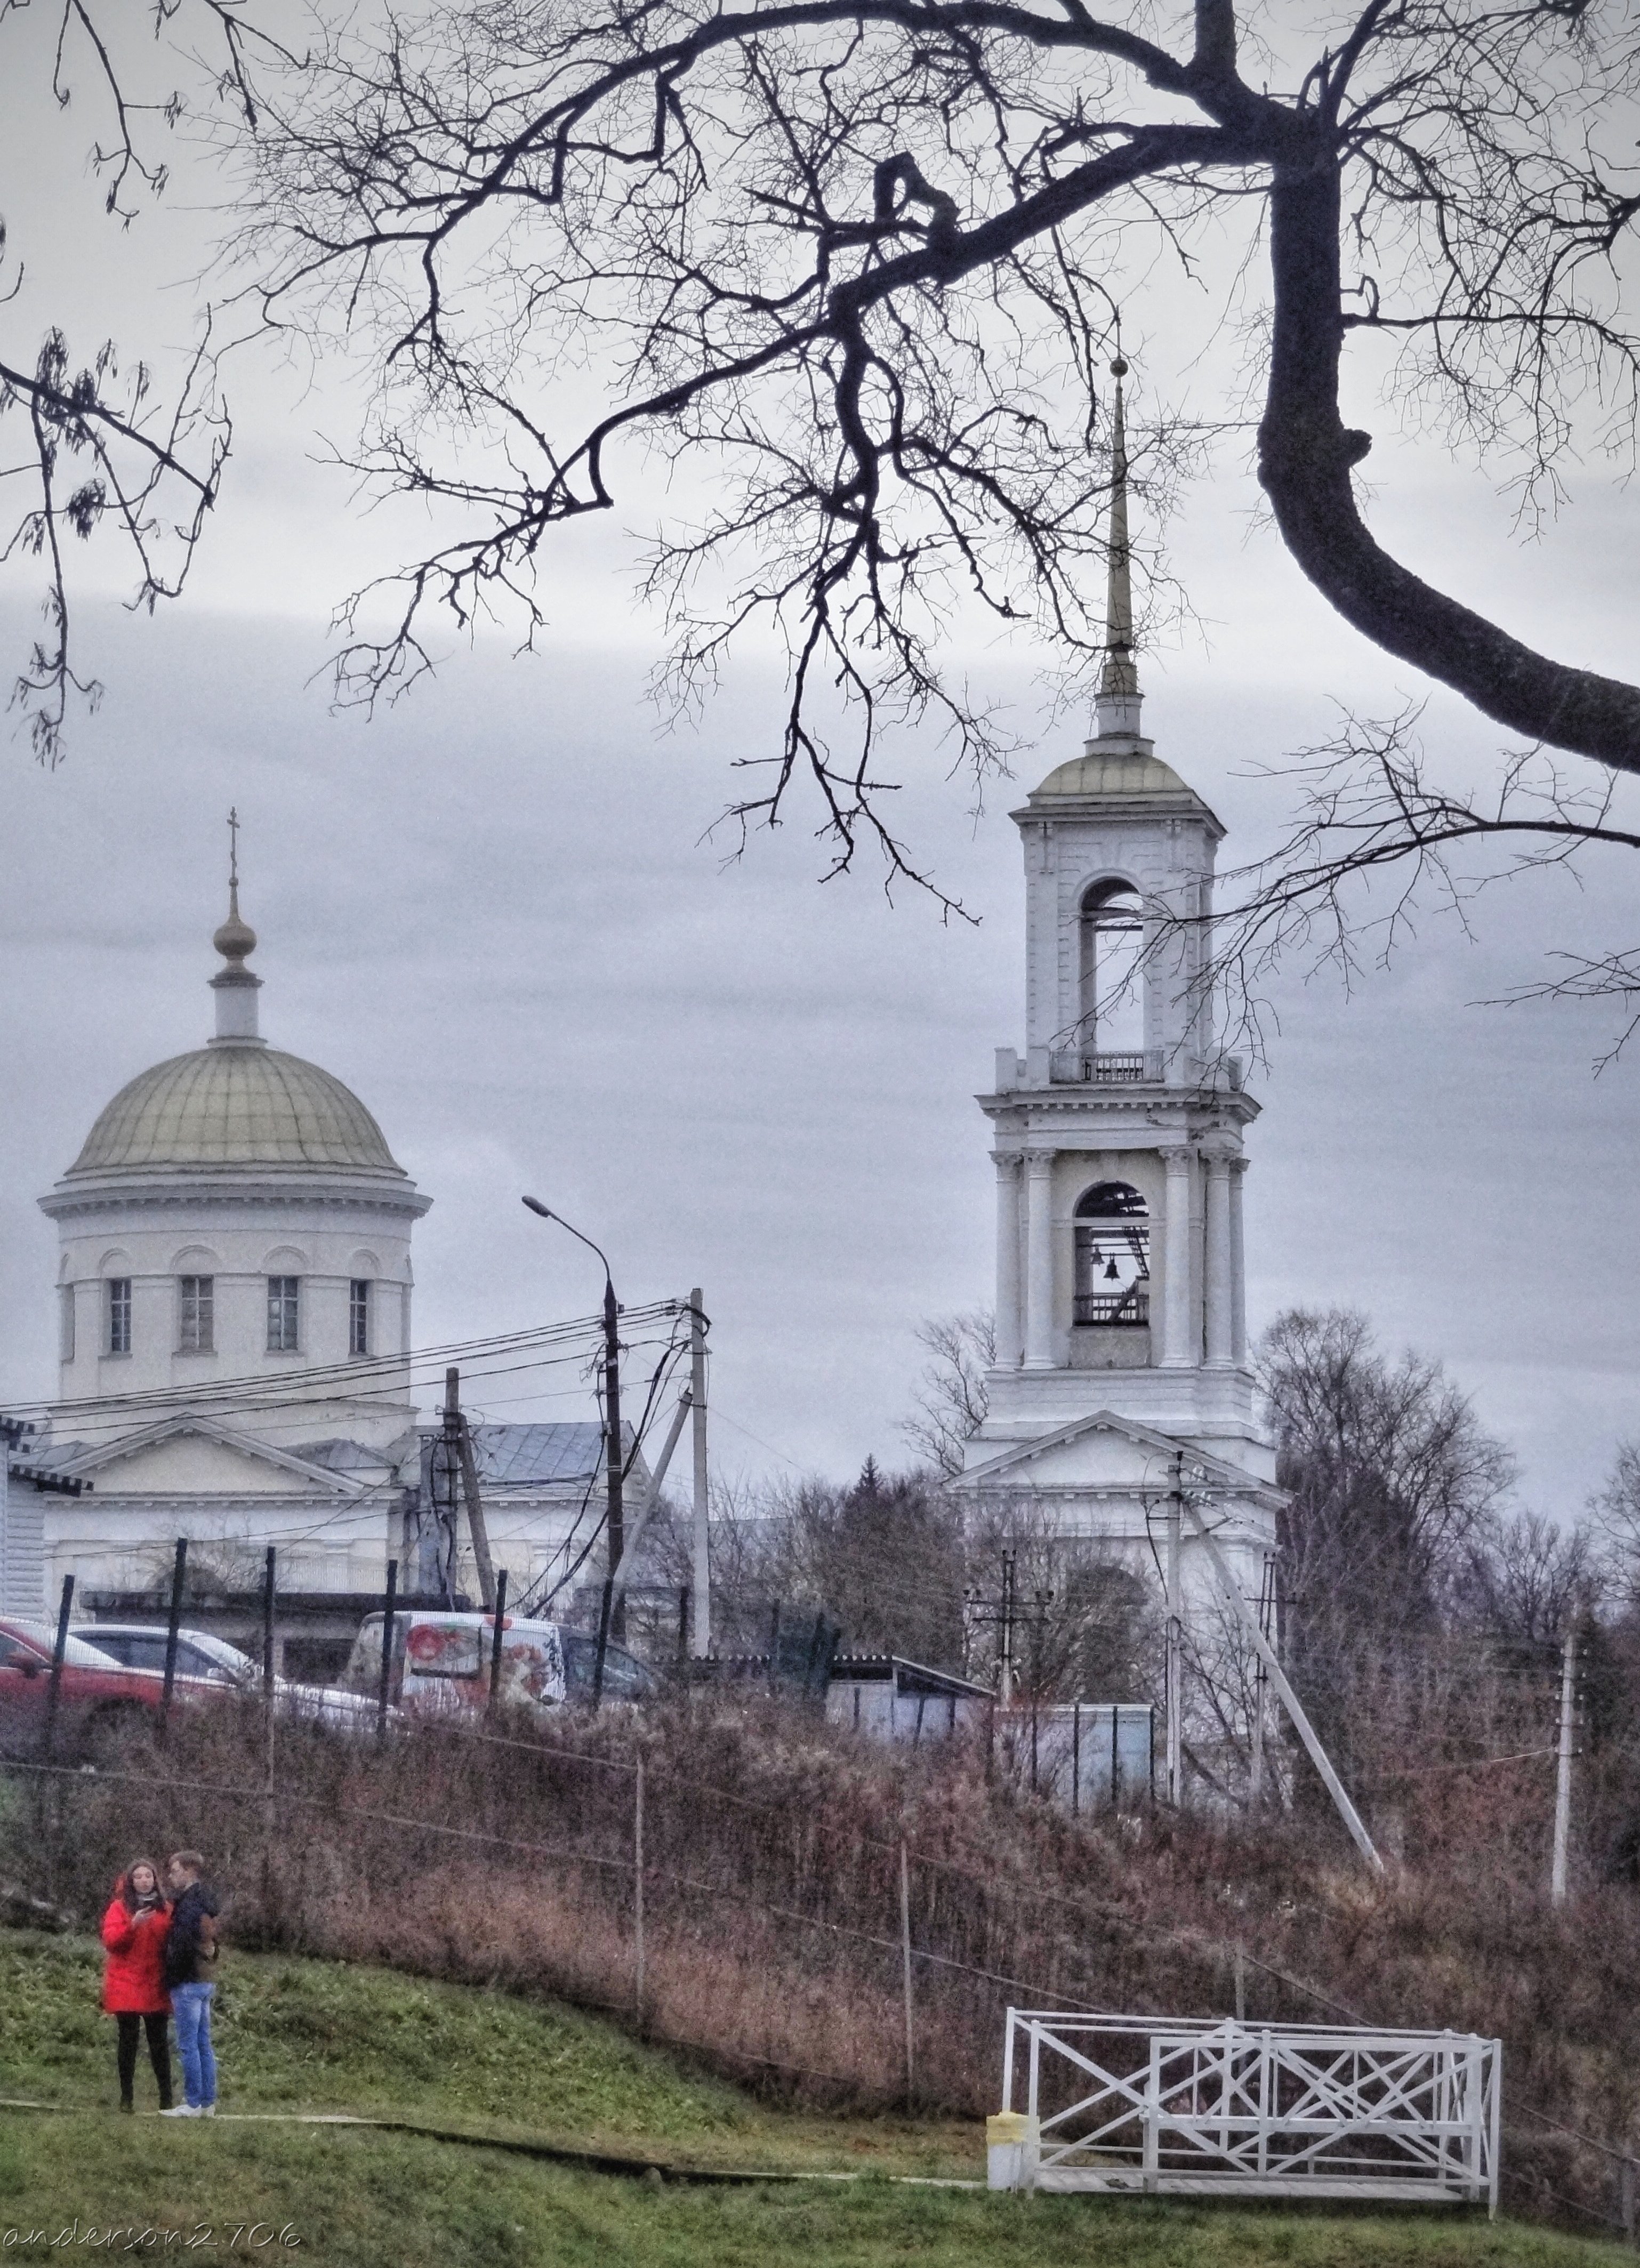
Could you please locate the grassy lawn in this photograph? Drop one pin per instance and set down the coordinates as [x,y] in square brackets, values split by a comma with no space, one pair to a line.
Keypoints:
[320,2036]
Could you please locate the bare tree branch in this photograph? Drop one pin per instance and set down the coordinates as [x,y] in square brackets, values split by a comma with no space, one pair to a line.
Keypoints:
[852,269]
[100,449]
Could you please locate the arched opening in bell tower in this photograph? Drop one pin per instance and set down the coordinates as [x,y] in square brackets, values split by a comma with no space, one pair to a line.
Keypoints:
[1111,1002]
[1113,1255]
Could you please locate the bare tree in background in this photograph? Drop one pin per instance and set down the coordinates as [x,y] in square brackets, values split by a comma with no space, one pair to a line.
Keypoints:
[1392,1480]
[951,1396]
[859,264]
[1525,1580]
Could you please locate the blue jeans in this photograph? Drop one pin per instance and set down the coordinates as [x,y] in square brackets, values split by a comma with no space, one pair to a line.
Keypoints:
[190,2006]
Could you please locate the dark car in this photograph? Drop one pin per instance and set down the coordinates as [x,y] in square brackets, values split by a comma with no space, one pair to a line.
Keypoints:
[625,1677]
[98,1697]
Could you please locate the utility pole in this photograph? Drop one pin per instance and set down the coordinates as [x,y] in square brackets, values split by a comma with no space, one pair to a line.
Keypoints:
[1562,1769]
[1289,1699]
[459,1435]
[1261,1679]
[616,1521]
[703,1598]
[1174,1680]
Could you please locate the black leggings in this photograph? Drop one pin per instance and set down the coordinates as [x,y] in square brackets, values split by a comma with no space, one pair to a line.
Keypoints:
[159,2053]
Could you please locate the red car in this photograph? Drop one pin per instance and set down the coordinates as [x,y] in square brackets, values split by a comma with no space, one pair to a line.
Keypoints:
[98,1698]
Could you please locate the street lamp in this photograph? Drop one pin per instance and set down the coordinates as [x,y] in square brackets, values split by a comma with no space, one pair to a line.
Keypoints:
[616,1517]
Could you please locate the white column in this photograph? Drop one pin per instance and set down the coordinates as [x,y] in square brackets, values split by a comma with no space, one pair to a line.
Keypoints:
[1039,1261]
[1219,1292]
[1238,1266]
[1009,1321]
[1178,1348]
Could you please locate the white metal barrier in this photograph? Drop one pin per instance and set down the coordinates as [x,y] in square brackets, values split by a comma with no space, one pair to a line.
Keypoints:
[1197,2106]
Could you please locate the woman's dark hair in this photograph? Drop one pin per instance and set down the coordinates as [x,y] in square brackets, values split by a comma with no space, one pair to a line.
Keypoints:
[128,1895]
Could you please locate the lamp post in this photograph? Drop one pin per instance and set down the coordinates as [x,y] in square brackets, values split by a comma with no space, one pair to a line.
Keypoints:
[615,1520]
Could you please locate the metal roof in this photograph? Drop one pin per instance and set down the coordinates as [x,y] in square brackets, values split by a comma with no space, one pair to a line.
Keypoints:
[534,1456]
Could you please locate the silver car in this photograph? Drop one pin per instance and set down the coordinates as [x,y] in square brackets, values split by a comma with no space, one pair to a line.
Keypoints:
[202,1654]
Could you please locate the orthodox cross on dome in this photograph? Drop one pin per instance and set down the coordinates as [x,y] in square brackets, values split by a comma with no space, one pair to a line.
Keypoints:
[1117,703]
[233,984]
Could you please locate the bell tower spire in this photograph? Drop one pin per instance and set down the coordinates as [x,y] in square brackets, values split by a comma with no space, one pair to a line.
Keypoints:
[233,984]
[1118,702]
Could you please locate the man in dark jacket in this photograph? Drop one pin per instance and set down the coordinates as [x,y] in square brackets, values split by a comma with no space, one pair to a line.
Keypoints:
[190,1956]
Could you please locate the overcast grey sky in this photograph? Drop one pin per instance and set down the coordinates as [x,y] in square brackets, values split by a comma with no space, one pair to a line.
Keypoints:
[493,913]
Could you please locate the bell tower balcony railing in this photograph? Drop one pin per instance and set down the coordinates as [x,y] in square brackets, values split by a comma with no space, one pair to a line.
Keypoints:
[1138,1067]
[1113,1308]
[1077,1066]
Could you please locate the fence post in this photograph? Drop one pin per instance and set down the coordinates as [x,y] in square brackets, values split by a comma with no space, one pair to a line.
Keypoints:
[905,1958]
[179,1576]
[268,1629]
[53,1689]
[1075,1760]
[494,1644]
[269,1814]
[386,1650]
[637,1879]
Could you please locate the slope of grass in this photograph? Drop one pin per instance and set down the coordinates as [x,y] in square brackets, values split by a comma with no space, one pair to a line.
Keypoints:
[326,2037]
[356,2199]
[295,2034]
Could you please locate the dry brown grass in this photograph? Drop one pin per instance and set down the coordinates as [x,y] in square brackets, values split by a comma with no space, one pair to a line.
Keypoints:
[771,1902]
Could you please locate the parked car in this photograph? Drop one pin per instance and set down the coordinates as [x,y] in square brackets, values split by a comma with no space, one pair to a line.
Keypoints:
[98,1699]
[202,1654]
[441,1664]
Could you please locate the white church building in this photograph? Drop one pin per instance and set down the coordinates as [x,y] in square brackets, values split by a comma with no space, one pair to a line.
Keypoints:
[234,1290]
[1122,1353]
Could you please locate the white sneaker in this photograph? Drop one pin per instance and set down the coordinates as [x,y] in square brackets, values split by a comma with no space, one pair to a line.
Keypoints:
[208,2111]
[182,2110]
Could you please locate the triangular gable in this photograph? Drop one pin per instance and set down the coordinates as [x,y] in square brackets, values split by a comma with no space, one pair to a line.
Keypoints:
[1048,1461]
[156,1456]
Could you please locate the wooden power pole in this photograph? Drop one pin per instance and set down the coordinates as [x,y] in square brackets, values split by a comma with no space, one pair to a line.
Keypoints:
[1174,1668]
[1562,1770]
[702,1601]
[459,1434]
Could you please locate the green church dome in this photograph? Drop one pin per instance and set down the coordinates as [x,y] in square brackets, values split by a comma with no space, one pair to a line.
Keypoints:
[235,1106]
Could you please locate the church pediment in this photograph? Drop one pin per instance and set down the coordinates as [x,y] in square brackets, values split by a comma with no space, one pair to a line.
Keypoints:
[187,1456]
[1106,1451]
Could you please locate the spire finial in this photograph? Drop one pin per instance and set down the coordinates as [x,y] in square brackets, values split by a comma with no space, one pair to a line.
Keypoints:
[1116,705]
[233,984]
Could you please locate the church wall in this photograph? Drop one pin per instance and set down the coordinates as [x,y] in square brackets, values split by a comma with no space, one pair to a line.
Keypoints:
[239,1245]
[1168,859]
[116,1541]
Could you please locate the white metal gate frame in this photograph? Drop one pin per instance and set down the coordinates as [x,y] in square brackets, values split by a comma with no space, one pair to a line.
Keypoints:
[1201,2105]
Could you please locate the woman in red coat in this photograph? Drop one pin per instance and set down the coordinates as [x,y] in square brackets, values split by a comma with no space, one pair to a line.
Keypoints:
[132,1989]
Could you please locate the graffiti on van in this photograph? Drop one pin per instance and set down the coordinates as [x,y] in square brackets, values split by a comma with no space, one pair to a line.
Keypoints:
[441,1662]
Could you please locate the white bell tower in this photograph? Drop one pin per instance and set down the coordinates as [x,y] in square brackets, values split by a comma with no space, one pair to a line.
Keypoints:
[1118,1135]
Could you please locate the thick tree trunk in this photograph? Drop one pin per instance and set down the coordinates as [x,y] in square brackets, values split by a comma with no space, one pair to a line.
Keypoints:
[1305,457]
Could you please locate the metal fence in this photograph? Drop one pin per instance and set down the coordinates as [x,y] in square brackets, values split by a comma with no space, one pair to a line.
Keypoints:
[1197,2107]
